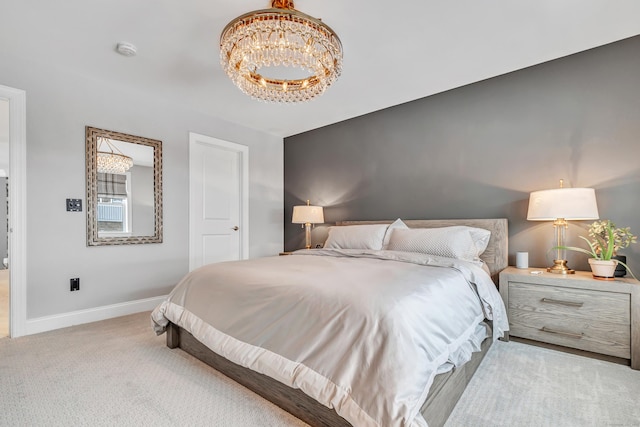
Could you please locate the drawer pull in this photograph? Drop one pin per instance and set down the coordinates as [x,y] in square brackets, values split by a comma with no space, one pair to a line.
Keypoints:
[567,334]
[557,301]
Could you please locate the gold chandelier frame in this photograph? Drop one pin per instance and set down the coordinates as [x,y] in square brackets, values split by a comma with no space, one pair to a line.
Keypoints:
[280,36]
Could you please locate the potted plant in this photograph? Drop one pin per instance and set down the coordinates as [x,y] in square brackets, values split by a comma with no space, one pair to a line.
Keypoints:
[606,240]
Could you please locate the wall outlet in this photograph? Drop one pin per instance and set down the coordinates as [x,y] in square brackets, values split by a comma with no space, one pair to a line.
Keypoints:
[75,284]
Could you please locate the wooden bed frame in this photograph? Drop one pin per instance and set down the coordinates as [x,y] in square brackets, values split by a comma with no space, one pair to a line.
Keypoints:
[445,391]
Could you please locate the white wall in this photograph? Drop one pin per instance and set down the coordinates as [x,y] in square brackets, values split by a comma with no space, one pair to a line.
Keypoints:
[59,106]
[142,200]
[4,137]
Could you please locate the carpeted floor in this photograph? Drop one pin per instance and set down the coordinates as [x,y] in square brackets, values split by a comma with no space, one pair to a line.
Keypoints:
[526,386]
[118,373]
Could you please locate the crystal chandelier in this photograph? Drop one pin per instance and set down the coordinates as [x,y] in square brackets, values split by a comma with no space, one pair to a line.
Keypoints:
[112,161]
[277,38]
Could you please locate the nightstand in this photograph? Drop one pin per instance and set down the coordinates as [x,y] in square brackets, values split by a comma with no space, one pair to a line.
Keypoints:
[574,310]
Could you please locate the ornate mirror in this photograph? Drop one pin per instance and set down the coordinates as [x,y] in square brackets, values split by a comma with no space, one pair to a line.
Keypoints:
[124,188]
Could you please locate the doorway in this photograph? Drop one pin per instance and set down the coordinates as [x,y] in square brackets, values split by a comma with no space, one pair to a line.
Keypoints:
[13,162]
[4,224]
[218,201]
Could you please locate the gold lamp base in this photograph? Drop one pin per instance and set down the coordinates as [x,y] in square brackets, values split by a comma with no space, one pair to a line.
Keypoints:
[560,267]
[307,235]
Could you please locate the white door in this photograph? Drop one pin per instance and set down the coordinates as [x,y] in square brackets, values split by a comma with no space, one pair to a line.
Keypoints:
[219,200]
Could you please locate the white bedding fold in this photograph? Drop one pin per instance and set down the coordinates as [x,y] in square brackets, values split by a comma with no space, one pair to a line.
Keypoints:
[361,331]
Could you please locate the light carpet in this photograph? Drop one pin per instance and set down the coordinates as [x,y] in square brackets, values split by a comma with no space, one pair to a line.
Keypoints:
[118,373]
[522,385]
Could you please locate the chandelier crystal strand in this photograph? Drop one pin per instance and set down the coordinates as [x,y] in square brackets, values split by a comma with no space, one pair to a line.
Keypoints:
[281,36]
[110,161]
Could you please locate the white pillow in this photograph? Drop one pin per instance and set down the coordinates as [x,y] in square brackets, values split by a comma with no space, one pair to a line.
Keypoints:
[368,236]
[480,237]
[397,224]
[451,242]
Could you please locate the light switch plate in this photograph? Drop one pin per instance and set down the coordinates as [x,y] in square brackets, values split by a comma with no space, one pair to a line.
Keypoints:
[74,205]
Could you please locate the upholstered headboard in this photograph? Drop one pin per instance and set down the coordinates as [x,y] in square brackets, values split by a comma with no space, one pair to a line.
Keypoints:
[496,254]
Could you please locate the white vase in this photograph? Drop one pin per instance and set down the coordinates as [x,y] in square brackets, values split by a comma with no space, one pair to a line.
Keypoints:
[602,269]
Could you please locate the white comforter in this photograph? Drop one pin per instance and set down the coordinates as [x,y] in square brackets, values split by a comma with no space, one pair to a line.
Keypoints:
[363,332]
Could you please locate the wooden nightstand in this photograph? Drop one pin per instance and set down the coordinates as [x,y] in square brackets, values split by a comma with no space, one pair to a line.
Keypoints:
[574,311]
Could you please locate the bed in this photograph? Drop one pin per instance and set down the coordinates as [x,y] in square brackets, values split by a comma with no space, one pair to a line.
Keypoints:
[351,369]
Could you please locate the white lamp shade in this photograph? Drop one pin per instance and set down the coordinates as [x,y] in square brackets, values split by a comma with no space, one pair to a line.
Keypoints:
[567,203]
[307,214]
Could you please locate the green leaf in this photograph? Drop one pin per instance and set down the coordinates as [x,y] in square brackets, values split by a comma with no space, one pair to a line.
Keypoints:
[574,248]
[628,269]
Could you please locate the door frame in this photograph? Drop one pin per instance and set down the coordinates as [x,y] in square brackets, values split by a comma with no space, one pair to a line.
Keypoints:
[17,209]
[243,150]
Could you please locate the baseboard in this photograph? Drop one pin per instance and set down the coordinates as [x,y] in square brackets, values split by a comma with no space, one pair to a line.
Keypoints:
[63,320]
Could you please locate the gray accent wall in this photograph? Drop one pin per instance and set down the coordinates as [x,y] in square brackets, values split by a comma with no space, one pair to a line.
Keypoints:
[60,103]
[478,151]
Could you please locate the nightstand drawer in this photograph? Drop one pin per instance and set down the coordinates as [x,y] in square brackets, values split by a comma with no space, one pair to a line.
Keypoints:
[581,333]
[570,304]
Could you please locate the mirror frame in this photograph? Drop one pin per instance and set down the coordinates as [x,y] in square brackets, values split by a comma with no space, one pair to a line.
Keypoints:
[93,239]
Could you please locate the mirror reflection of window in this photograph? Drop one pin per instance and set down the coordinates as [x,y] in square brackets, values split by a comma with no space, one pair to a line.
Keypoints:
[113,213]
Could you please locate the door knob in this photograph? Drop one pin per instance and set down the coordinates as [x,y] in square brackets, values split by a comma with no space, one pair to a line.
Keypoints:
[236,228]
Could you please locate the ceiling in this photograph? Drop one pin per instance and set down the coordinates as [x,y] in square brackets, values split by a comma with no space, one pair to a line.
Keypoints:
[393,52]
[142,155]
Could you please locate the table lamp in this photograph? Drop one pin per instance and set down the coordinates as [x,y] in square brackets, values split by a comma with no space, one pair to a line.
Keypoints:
[560,205]
[307,215]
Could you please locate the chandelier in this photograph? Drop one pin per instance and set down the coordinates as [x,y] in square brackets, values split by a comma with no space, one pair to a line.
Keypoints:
[257,48]
[112,161]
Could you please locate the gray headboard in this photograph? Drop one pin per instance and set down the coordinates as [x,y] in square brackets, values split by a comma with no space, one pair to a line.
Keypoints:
[496,254]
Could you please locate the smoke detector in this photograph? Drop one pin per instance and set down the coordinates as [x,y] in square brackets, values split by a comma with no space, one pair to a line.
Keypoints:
[126,49]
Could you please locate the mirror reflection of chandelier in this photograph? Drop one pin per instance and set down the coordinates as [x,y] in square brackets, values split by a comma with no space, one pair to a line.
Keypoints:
[280,41]
[113,160]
